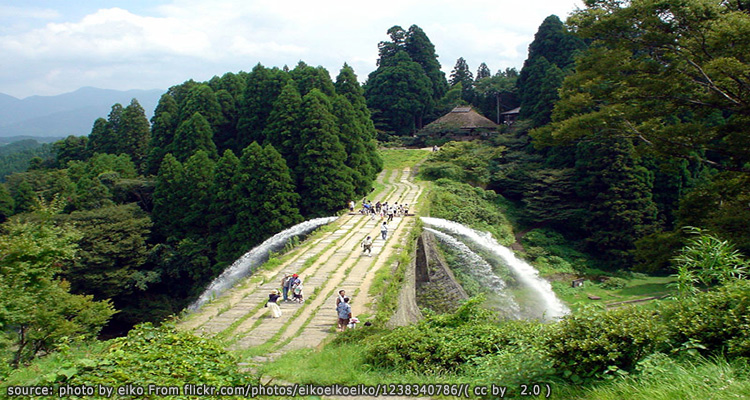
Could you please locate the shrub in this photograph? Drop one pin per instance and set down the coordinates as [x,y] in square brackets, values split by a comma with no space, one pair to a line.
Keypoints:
[614,283]
[714,321]
[448,343]
[593,341]
[162,356]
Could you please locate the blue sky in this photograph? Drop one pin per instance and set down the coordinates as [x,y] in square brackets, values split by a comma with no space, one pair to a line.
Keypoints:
[53,47]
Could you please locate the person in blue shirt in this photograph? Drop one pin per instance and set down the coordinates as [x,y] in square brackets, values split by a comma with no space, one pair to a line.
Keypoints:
[345,313]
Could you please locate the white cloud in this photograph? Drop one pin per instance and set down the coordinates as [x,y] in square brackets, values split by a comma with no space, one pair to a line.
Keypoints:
[117,48]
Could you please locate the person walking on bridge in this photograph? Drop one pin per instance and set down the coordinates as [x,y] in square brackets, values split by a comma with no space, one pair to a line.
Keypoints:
[384,230]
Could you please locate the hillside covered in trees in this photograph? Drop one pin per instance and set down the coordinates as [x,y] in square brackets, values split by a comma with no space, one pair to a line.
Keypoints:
[155,210]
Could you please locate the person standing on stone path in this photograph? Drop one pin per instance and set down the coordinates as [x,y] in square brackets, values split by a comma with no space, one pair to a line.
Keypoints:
[272,304]
[298,295]
[286,285]
[345,313]
[367,246]
[384,230]
[340,299]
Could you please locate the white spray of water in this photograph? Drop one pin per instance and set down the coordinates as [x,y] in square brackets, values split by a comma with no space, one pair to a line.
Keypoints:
[525,274]
[246,265]
[482,271]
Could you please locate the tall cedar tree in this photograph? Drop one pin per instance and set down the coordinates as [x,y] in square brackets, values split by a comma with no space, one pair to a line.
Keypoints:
[233,83]
[199,178]
[279,208]
[103,137]
[163,128]
[399,95]
[248,198]
[348,86]
[222,210]
[134,134]
[553,43]
[352,134]
[282,127]
[324,180]
[308,78]
[169,198]
[192,135]
[422,51]
[543,79]
[618,191]
[202,99]
[263,87]
[225,133]
[483,72]
[462,74]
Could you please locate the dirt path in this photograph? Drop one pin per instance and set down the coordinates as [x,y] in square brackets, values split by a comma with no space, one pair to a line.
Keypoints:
[326,264]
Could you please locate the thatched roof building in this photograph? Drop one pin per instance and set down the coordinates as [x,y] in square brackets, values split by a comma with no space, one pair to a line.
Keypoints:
[461,118]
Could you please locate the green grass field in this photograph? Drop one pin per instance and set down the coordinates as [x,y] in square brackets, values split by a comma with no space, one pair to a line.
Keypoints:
[401,158]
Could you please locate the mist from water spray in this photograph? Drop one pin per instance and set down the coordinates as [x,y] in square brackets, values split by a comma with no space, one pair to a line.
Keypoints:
[246,265]
[540,301]
[481,270]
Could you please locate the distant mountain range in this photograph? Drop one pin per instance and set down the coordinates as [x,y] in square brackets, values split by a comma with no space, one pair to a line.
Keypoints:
[66,114]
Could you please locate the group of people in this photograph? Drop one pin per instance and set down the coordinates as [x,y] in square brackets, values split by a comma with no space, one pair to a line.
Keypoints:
[343,308]
[367,242]
[383,210]
[290,284]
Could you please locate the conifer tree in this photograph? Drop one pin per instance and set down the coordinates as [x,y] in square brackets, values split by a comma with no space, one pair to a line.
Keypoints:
[553,47]
[169,199]
[462,74]
[69,149]
[233,83]
[163,128]
[324,180]
[225,134]
[280,202]
[283,124]
[202,99]
[308,78]
[348,86]
[192,135]
[483,72]
[618,191]
[198,181]
[352,135]
[101,138]
[248,198]
[135,134]
[388,50]
[399,94]
[541,93]
[224,207]
[422,51]
[263,87]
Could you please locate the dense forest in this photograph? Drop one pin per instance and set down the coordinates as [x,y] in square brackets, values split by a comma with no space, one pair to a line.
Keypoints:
[631,149]
[154,210]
